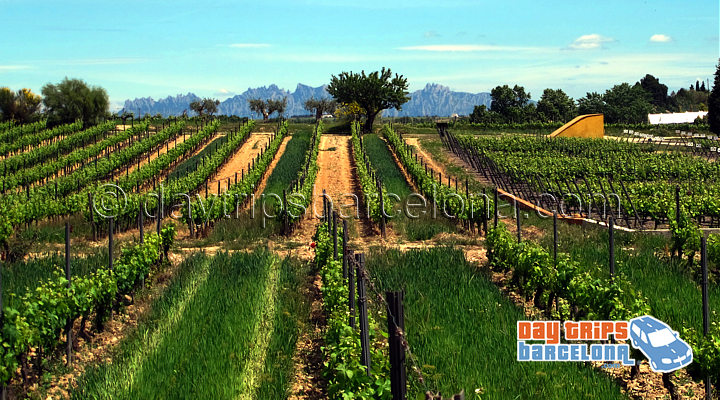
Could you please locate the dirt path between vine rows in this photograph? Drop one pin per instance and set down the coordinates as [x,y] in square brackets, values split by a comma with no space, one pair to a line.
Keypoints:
[415,142]
[263,182]
[240,160]
[336,175]
[163,148]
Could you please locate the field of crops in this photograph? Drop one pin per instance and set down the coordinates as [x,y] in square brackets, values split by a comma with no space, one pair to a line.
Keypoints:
[635,182]
[196,267]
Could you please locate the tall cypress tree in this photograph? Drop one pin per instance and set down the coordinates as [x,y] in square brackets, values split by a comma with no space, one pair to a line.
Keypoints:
[714,103]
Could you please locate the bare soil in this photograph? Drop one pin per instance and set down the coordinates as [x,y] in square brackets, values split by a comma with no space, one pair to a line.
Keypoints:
[336,176]
[240,160]
[415,142]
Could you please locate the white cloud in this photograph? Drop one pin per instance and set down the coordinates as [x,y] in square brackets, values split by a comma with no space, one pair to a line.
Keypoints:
[590,42]
[248,45]
[103,61]
[466,48]
[660,38]
[13,67]
[224,93]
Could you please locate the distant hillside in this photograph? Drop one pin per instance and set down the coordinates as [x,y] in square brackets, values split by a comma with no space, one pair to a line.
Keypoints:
[433,100]
[438,100]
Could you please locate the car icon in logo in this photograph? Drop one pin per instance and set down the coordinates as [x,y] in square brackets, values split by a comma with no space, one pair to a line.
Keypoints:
[662,346]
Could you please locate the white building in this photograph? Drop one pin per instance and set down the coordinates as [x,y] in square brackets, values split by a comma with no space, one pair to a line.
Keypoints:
[676,118]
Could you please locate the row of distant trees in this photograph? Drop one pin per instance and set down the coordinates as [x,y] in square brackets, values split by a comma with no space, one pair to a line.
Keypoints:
[265,108]
[364,96]
[67,101]
[623,103]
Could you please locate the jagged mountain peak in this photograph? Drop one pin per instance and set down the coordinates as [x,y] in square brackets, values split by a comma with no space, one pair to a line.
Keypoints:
[433,100]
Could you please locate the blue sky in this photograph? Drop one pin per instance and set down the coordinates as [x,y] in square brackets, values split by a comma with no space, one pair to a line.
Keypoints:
[160,48]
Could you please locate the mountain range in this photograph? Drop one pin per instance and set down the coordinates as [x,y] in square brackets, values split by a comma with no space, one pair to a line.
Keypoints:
[432,100]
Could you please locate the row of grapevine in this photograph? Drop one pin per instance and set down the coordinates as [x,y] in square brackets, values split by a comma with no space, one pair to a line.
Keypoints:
[10,132]
[300,191]
[40,315]
[128,210]
[371,187]
[581,289]
[33,139]
[55,149]
[4,126]
[212,208]
[100,169]
[347,376]
[640,180]
[37,159]
[535,274]
[464,206]
[547,127]
[60,199]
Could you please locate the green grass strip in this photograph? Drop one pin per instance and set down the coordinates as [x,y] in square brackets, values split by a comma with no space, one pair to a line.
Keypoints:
[115,380]
[462,331]
[208,338]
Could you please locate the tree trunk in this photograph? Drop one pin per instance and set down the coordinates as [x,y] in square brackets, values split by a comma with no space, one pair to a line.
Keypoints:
[318,114]
[265,116]
[369,121]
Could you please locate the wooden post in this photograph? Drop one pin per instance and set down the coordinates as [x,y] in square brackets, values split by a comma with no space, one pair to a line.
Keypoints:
[335,235]
[677,213]
[611,234]
[382,208]
[286,228]
[362,305]
[69,324]
[325,207]
[705,305]
[344,249]
[555,237]
[517,221]
[141,223]
[396,328]
[190,219]
[351,291]
[158,214]
[111,228]
[495,208]
[92,217]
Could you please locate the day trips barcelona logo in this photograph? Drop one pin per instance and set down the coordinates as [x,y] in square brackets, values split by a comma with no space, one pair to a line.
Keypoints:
[662,346]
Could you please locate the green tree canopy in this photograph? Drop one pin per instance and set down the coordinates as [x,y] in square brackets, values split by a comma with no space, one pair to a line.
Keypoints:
[373,92]
[481,115]
[555,106]
[205,106]
[73,99]
[512,105]
[277,105]
[658,92]
[627,104]
[592,103]
[320,106]
[714,103]
[22,106]
[260,107]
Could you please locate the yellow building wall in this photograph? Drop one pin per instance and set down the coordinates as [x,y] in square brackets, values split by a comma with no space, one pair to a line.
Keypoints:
[585,126]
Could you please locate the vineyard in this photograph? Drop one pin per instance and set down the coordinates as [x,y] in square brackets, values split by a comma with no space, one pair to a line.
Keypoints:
[218,258]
